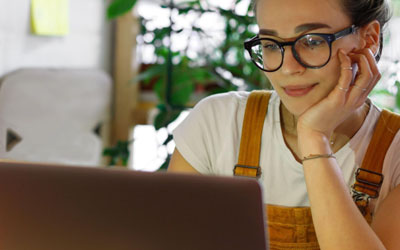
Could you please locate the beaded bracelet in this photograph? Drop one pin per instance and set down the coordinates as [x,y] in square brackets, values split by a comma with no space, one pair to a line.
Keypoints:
[311,157]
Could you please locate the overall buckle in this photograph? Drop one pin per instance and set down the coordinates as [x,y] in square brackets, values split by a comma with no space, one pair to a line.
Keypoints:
[375,184]
[247,171]
[364,190]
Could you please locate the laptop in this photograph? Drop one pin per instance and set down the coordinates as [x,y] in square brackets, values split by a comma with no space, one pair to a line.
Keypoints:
[54,207]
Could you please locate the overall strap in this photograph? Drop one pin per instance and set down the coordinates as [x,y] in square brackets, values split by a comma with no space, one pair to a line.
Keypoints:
[250,142]
[369,177]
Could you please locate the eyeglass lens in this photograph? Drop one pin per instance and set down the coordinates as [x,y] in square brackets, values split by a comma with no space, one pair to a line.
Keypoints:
[311,50]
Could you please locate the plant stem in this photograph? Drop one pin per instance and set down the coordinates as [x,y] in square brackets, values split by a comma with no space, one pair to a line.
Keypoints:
[169,61]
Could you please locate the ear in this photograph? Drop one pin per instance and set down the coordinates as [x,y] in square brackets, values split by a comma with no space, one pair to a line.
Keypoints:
[370,36]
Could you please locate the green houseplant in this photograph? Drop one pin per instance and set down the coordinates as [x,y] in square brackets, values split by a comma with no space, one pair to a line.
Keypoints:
[177,75]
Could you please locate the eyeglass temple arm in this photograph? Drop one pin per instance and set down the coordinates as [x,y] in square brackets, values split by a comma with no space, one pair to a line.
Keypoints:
[347,31]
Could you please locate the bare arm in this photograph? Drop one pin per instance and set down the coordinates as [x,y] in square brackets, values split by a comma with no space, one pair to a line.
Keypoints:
[337,220]
[386,222]
[179,164]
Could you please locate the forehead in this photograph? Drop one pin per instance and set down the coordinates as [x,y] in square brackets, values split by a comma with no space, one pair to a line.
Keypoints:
[284,16]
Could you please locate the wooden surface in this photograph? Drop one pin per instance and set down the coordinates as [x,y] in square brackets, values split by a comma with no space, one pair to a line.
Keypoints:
[125,91]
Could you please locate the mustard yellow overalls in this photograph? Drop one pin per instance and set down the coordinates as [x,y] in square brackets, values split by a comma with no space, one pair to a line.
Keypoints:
[291,228]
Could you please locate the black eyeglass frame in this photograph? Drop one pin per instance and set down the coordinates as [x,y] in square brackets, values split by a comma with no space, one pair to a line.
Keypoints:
[330,38]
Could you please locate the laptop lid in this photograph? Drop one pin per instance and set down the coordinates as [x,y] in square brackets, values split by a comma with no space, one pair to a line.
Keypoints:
[63,207]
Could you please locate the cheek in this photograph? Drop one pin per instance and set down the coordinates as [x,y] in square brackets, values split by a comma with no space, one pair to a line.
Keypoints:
[272,78]
[330,74]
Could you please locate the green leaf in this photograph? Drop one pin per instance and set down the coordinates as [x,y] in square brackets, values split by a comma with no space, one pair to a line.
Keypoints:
[398,94]
[151,73]
[109,152]
[201,75]
[113,161]
[160,33]
[118,152]
[159,89]
[119,7]
[169,138]
[184,10]
[182,89]
[165,117]
[164,166]
[161,107]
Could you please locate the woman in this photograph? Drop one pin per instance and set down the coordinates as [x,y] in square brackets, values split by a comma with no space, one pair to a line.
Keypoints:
[319,120]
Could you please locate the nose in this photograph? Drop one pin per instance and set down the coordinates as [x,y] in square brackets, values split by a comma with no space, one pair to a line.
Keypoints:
[290,65]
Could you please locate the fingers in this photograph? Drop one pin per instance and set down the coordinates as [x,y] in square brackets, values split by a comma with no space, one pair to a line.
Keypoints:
[362,80]
[366,78]
[346,74]
[369,56]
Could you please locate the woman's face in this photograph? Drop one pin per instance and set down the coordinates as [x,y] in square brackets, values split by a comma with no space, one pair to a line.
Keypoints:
[284,20]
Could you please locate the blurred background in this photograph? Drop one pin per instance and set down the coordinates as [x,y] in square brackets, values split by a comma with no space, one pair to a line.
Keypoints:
[101,82]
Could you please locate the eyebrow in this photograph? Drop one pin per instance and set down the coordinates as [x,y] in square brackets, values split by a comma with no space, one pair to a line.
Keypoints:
[299,29]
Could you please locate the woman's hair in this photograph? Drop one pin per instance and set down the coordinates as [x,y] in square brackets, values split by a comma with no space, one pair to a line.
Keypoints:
[362,12]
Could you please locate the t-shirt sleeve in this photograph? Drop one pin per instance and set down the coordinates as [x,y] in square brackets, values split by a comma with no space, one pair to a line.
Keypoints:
[208,127]
[193,136]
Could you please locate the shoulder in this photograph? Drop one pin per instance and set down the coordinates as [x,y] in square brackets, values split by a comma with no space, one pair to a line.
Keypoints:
[231,105]
[218,109]
[230,101]
[227,100]
[213,112]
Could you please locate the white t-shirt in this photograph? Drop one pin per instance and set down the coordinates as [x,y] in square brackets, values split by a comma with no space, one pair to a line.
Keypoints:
[209,140]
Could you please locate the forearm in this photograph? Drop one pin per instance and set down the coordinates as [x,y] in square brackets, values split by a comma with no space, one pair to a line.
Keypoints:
[337,220]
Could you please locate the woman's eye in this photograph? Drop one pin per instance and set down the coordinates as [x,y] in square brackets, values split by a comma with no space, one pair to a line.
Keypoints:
[270,46]
[312,42]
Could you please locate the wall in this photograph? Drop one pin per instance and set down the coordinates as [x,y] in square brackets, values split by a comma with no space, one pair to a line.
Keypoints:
[88,44]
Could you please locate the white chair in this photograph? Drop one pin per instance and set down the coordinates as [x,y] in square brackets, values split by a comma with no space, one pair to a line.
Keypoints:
[55,115]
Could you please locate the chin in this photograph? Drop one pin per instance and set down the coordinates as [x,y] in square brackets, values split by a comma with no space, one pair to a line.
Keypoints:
[297,107]
[294,105]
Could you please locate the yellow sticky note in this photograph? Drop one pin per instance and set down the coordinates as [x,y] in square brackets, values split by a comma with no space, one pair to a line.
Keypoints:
[50,17]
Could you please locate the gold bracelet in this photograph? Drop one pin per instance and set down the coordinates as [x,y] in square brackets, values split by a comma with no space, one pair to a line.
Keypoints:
[311,157]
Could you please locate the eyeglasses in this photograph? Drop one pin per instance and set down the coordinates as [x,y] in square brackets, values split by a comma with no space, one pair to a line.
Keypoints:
[312,50]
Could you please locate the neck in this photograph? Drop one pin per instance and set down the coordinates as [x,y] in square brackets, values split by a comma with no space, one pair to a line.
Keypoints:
[288,121]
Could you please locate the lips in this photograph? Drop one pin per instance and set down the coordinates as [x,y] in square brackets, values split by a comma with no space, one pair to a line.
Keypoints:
[298,90]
